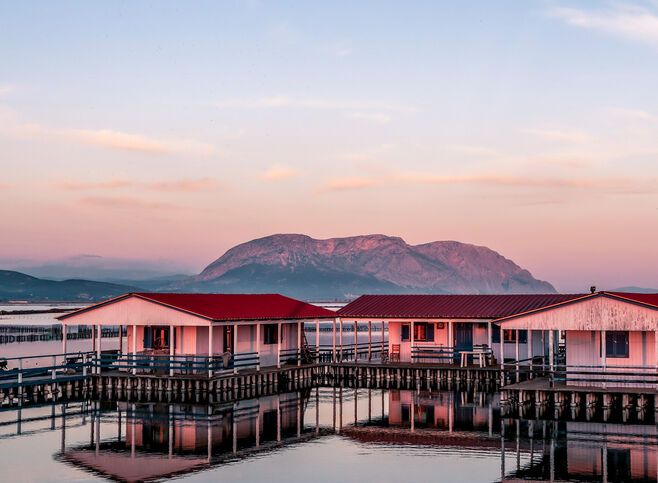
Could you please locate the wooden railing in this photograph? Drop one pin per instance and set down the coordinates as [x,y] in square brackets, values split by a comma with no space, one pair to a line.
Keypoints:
[584,375]
[20,371]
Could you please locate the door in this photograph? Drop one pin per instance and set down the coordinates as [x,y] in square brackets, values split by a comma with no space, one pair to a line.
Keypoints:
[463,337]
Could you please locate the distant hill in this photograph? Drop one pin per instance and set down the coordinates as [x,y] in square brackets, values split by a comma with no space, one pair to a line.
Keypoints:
[339,268]
[635,289]
[18,286]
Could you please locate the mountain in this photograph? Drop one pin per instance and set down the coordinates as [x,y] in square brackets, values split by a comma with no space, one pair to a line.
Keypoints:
[19,286]
[340,268]
[95,267]
[635,289]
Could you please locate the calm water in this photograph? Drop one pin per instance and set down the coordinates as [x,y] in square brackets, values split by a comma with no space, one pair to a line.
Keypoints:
[317,435]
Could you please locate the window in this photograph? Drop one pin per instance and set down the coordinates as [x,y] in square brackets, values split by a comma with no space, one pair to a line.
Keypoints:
[270,334]
[423,332]
[404,335]
[616,344]
[509,335]
[495,335]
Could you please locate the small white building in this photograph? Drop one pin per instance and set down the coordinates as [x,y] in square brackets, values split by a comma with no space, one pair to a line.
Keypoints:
[230,330]
[438,328]
[608,336]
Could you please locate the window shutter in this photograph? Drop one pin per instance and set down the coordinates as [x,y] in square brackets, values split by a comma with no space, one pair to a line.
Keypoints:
[405,332]
[523,336]
[148,338]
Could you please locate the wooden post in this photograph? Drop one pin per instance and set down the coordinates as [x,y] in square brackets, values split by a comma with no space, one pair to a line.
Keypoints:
[333,342]
[317,340]
[384,347]
[235,348]
[530,351]
[299,342]
[340,339]
[451,342]
[278,346]
[134,350]
[551,355]
[501,347]
[655,350]
[64,331]
[120,340]
[210,349]
[603,355]
[172,349]
[258,345]
[356,341]
[411,343]
[369,340]
[516,353]
[490,336]
[98,349]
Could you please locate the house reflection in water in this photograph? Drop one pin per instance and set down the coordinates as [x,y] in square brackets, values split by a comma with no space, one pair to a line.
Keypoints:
[582,451]
[163,440]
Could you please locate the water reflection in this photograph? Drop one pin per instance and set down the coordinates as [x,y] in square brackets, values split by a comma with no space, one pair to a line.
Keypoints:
[156,441]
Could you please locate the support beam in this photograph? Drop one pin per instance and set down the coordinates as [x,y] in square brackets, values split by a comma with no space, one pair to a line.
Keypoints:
[258,345]
[210,349]
[317,340]
[134,351]
[64,333]
[235,348]
[98,349]
[490,335]
[356,341]
[172,349]
[516,352]
[369,340]
[333,342]
[551,355]
[501,347]
[411,338]
[384,336]
[603,354]
[451,341]
[278,347]
[299,342]
[340,339]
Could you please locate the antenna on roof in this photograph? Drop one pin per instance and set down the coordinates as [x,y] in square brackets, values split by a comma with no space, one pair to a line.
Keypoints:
[592,289]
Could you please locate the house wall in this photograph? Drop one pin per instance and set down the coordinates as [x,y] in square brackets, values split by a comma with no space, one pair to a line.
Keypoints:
[480,336]
[596,313]
[137,311]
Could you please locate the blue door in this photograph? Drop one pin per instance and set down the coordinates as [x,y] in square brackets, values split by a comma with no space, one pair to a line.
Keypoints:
[463,337]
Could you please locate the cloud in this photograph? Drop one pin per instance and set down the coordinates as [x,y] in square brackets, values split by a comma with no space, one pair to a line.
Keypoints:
[126,202]
[376,117]
[610,185]
[110,139]
[180,186]
[633,114]
[473,150]
[350,183]
[557,135]
[290,102]
[280,173]
[628,21]
[6,89]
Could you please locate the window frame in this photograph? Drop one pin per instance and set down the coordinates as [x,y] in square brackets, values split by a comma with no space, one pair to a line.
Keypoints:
[270,334]
[612,341]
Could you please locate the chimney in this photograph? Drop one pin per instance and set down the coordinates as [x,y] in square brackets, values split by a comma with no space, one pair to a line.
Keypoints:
[592,289]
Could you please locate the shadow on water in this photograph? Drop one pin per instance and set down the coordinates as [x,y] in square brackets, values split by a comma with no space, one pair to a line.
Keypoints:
[156,441]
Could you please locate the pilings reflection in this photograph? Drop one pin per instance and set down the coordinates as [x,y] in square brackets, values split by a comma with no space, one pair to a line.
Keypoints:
[156,440]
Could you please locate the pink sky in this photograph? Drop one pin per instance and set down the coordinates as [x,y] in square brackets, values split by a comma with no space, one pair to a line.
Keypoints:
[530,129]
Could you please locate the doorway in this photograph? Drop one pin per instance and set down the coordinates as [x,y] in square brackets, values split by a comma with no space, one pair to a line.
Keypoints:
[463,336]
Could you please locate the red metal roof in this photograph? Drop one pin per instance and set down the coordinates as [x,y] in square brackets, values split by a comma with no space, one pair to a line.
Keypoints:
[644,298]
[222,307]
[449,306]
